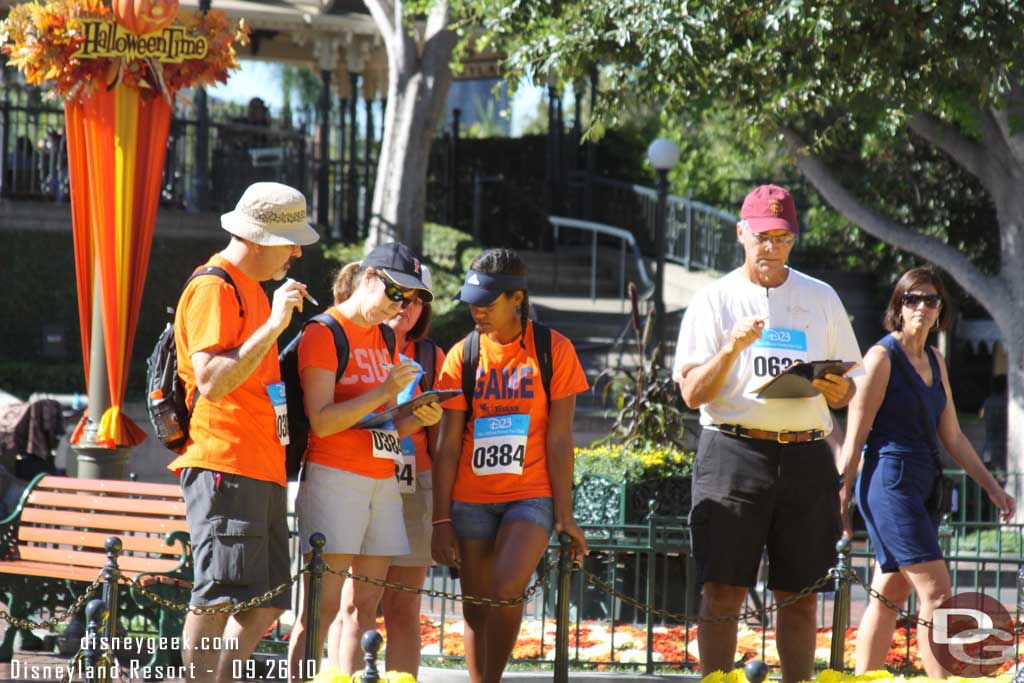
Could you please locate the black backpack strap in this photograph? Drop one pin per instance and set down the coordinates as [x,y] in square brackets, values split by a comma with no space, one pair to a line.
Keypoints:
[340,340]
[470,361]
[389,338]
[217,271]
[426,356]
[542,343]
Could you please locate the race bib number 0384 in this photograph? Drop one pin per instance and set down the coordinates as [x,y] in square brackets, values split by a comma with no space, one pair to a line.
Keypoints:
[499,444]
[386,444]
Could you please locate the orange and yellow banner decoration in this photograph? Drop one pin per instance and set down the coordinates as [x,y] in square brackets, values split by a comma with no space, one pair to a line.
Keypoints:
[117,71]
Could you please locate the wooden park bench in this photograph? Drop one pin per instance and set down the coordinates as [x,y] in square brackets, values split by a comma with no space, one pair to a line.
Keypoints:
[52,548]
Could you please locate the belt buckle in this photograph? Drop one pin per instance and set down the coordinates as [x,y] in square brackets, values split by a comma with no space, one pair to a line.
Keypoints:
[779,435]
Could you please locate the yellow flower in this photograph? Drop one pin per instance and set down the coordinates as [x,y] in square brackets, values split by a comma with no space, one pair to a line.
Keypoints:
[331,674]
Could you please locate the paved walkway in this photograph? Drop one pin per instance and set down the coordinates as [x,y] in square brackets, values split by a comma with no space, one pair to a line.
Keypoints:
[41,667]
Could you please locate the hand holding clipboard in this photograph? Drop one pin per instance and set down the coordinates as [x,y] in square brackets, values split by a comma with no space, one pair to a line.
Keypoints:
[798,379]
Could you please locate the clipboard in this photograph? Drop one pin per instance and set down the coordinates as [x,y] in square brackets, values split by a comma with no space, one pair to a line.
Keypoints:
[795,382]
[405,409]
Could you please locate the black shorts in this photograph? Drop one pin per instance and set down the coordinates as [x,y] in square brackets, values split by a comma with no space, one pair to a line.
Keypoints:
[239,535]
[749,494]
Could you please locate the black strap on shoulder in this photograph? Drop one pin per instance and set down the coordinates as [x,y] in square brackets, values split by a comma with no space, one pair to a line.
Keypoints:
[217,271]
[340,340]
[389,338]
[470,361]
[897,360]
[542,342]
[426,356]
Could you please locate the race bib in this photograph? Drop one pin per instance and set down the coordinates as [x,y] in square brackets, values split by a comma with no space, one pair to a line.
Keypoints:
[776,350]
[386,444]
[405,471]
[280,403]
[499,444]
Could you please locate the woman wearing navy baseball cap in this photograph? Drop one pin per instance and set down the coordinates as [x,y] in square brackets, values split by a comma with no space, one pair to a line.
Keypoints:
[503,468]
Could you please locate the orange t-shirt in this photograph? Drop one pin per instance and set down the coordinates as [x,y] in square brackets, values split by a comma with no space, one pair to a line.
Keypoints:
[419,437]
[352,449]
[509,383]
[237,434]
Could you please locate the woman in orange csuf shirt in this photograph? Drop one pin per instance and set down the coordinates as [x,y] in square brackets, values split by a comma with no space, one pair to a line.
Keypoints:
[349,491]
[493,516]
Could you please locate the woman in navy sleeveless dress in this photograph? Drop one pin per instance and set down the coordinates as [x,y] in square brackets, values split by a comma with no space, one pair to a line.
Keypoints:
[903,375]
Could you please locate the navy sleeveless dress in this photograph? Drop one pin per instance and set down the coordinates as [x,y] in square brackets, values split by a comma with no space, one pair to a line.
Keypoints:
[898,470]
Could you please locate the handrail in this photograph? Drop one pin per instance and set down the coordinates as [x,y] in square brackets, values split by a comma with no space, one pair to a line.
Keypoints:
[626,238]
[700,236]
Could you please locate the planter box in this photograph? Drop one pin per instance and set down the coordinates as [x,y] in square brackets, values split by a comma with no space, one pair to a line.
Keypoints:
[600,501]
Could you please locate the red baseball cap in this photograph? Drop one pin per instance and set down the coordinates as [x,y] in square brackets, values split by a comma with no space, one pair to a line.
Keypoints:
[770,207]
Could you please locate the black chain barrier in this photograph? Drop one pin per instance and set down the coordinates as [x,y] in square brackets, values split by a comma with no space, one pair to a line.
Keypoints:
[102,613]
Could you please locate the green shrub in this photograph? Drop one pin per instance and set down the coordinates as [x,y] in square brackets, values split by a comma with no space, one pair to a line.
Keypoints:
[623,463]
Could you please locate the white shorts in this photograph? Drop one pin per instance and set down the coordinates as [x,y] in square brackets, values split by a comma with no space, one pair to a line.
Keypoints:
[418,511]
[358,515]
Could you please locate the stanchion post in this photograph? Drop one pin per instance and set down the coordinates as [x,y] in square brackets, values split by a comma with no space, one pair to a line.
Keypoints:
[316,576]
[95,615]
[841,605]
[371,642]
[652,566]
[111,577]
[562,608]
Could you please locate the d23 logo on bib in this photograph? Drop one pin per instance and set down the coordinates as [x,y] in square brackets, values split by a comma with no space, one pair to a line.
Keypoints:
[972,635]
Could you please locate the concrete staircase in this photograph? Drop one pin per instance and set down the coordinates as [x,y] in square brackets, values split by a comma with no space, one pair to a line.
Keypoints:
[600,327]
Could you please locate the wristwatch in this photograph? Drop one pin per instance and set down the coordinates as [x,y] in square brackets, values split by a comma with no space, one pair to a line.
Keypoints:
[841,479]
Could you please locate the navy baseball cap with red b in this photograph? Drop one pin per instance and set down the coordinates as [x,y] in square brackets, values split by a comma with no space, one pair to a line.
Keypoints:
[398,264]
[770,207]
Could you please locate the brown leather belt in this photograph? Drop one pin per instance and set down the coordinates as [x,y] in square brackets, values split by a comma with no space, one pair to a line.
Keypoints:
[764,435]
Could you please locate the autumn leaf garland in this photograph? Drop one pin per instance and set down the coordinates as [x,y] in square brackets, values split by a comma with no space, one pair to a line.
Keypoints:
[40,39]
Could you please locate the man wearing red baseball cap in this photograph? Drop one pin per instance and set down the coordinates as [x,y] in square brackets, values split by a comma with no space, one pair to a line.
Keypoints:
[764,476]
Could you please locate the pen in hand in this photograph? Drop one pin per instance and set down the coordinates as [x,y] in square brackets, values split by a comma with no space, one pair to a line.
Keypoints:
[306,295]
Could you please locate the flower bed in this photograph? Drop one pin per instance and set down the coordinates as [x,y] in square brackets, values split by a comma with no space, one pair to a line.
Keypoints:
[829,676]
[674,646]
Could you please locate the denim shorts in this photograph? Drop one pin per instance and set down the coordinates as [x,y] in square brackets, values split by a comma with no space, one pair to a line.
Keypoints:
[482,520]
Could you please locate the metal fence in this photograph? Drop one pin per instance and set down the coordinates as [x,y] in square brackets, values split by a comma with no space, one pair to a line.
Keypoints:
[699,236]
[651,562]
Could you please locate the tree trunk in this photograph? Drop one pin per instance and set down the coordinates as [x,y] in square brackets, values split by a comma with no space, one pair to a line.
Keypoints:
[995,164]
[419,77]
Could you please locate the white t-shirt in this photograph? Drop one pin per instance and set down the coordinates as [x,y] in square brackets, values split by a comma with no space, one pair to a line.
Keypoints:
[806,321]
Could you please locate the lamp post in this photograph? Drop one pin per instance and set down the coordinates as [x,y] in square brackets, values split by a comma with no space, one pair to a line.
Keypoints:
[663,155]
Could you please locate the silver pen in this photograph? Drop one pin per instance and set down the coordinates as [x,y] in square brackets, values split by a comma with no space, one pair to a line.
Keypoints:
[307,295]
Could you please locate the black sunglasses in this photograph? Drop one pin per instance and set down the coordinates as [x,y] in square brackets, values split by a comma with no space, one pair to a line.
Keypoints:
[396,293]
[929,300]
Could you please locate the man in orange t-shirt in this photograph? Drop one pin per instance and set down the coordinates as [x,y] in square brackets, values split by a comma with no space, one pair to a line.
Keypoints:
[232,467]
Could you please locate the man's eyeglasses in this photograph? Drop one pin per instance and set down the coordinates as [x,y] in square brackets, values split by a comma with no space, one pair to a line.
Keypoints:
[776,240]
[929,300]
[396,293]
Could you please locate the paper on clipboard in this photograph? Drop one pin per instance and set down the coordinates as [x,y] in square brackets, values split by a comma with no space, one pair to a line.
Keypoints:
[795,382]
[405,409]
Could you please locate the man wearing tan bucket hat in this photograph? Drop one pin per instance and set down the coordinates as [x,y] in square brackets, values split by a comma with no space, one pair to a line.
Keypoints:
[232,468]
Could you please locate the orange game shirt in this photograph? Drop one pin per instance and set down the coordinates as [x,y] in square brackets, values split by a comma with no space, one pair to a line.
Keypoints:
[419,437]
[237,434]
[350,450]
[508,381]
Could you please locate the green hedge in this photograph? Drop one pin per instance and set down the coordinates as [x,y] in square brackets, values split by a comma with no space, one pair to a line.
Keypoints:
[39,291]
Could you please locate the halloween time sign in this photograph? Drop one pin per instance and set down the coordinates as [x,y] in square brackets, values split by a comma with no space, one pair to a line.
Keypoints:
[110,39]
